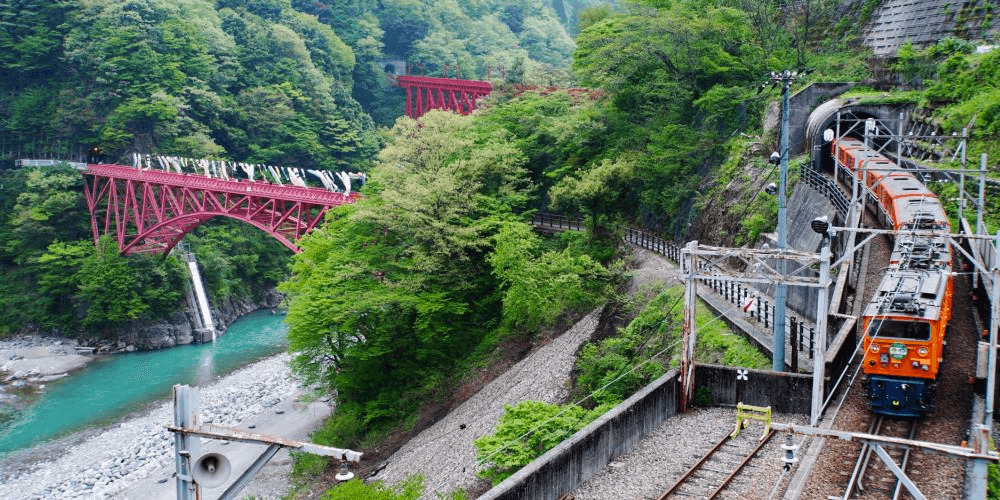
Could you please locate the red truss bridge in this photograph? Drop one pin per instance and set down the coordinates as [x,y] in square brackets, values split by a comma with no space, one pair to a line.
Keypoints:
[424,93]
[149,211]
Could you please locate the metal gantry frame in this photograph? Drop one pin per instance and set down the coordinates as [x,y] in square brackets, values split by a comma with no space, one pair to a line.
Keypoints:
[187,429]
[702,262]
[979,452]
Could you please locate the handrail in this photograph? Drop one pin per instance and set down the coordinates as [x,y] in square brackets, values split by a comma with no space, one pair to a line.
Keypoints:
[761,309]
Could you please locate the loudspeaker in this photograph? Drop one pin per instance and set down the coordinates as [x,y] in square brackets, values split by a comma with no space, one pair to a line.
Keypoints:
[211,470]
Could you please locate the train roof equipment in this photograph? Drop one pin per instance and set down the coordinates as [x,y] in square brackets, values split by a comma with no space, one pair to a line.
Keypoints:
[920,212]
[909,293]
[921,251]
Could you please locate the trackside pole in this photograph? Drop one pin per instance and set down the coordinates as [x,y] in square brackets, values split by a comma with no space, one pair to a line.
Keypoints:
[689,265]
[819,344]
[994,319]
[192,468]
[186,446]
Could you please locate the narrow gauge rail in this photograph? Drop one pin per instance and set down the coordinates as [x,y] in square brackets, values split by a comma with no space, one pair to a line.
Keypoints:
[710,475]
[882,425]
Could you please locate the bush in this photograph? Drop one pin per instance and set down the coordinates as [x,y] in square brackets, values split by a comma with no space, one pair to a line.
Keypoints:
[525,432]
[656,330]
[411,488]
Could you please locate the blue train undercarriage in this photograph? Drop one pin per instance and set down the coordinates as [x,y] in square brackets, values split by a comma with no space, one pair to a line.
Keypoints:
[901,397]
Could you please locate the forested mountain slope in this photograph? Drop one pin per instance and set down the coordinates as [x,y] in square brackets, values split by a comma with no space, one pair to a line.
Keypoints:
[281,82]
[270,81]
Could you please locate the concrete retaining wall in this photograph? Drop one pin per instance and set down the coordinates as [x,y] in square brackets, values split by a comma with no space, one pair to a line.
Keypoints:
[804,205]
[563,468]
[801,104]
[575,460]
[783,392]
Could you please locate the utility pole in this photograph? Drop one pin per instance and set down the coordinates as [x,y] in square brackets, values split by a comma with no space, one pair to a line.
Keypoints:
[785,78]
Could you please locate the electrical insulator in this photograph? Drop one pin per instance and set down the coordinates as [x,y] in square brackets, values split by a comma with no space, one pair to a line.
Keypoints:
[789,459]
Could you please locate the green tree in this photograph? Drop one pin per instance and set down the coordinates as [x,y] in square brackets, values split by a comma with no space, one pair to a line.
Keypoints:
[539,286]
[50,207]
[390,295]
[58,279]
[109,292]
[525,432]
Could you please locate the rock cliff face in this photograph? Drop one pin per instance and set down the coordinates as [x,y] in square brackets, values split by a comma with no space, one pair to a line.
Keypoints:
[179,328]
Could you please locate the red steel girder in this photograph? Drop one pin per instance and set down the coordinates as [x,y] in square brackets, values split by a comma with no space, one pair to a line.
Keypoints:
[149,211]
[424,93]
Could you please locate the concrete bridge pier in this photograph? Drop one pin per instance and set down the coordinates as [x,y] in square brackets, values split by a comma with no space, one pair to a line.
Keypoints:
[198,299]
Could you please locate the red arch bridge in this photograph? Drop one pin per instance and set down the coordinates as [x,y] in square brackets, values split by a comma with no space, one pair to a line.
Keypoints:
[149,211]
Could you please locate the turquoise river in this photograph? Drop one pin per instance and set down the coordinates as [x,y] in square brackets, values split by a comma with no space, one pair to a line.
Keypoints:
[114,386]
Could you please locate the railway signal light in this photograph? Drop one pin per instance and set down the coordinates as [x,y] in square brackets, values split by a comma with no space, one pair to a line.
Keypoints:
[820,224]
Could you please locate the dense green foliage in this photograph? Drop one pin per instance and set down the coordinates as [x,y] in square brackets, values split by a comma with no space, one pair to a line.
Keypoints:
[391,296]
[959,90]
[291,82]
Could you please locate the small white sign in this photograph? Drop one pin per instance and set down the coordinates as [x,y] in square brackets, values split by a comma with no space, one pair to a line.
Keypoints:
[741,375]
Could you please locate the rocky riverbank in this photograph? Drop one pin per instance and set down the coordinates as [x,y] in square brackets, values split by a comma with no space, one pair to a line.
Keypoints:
[179,328]
[108,462]
[28,362]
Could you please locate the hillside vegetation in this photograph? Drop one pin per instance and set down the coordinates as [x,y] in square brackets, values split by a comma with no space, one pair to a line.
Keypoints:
[293,83]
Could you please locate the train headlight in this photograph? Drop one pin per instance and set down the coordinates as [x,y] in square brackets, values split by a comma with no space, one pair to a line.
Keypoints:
[874,347]
[883,359]
[925,367]
[922,351]
[916,364]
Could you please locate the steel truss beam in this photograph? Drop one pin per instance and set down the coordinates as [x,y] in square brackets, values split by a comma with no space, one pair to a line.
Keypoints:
[148,211]
[424,93]
[979,451]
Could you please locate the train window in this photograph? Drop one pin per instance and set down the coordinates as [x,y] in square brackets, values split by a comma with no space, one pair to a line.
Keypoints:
[911,330]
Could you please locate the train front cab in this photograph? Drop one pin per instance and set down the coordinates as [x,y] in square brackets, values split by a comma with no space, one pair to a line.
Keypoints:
[900,364]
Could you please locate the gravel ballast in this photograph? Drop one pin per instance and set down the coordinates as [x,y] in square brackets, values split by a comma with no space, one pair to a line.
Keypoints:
[112,459]
[444,452]
[664,454]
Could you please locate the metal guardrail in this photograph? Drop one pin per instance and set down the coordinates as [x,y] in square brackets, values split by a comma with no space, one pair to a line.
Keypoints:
[828,188]
[558,222]
[800,333]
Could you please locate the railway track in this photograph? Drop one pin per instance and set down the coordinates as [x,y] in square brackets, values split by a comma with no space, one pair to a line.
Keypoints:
[870,475]
[710,475]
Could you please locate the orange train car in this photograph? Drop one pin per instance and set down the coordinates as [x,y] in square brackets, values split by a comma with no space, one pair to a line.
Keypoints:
[906,321]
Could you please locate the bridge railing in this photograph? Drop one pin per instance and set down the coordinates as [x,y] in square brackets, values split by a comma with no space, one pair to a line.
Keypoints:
[48,163]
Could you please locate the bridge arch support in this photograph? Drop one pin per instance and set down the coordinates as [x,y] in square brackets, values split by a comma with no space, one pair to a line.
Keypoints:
[150,211]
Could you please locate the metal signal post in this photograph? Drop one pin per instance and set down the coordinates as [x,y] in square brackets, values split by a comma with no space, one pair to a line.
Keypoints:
[785,78]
